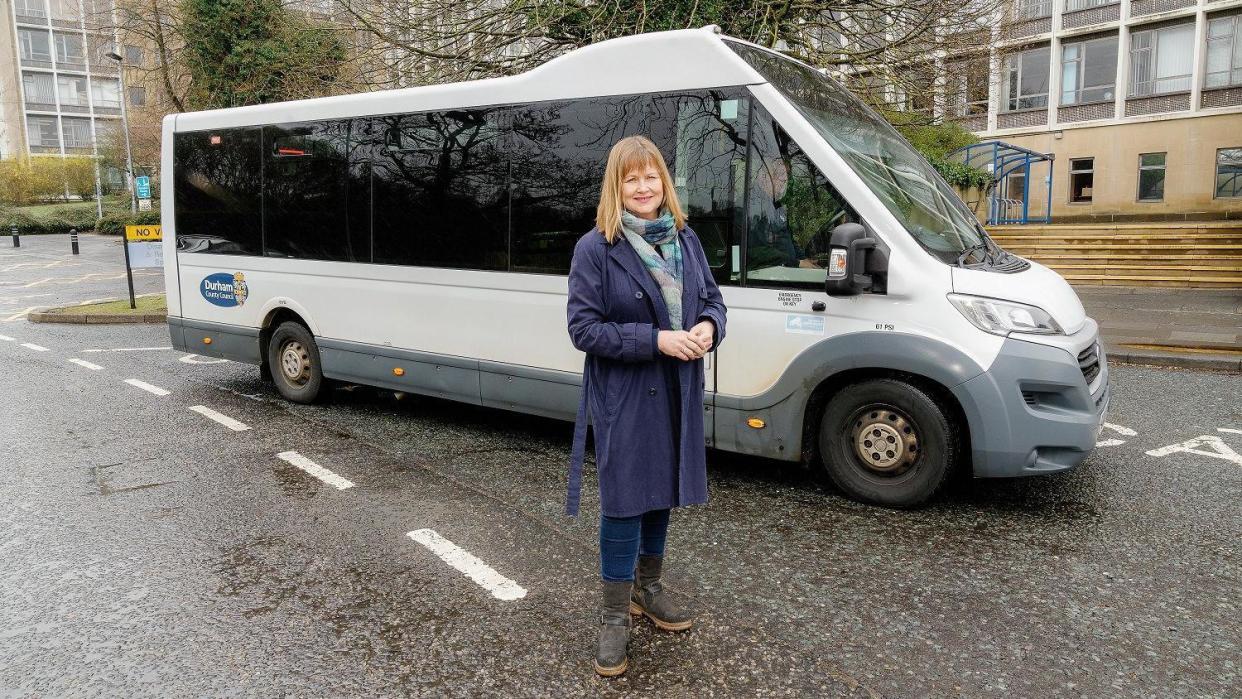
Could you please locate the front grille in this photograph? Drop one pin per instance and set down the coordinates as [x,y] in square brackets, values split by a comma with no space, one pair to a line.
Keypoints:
[1089,362]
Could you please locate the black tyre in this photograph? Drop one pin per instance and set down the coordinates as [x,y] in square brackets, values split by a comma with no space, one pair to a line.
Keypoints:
[293,360]
[886,442]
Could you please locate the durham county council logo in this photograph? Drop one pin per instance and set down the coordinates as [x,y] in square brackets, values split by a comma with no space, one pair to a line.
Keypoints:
[223,289]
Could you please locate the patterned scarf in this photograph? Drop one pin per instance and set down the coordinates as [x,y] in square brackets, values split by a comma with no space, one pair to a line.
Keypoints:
[666,269]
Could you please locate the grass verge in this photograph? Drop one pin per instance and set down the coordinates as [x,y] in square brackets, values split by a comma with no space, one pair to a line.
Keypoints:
[151,304]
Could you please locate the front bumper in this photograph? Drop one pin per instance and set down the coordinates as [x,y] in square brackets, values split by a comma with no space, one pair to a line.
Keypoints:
[1039,408]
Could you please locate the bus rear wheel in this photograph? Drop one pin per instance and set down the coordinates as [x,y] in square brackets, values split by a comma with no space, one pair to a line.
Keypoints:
[293,362]
[886,442]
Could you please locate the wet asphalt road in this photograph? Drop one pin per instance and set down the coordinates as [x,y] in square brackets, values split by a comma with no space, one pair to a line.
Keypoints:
[146,550]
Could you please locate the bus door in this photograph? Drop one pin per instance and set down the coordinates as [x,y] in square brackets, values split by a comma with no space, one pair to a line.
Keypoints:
[703,135]
[782,307]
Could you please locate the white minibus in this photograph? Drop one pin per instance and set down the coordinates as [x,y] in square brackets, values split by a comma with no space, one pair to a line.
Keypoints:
[419,240]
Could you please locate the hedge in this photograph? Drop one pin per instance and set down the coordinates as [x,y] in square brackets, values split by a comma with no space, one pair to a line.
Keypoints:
[83,219]
[114,224]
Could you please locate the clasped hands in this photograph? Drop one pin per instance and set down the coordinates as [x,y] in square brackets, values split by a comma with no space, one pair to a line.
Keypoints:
[687,345]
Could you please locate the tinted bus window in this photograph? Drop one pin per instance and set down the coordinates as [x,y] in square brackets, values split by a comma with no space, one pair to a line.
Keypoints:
[216,185]
[440,188]
[792,210]
[703,138]
[559,153]
[305,192]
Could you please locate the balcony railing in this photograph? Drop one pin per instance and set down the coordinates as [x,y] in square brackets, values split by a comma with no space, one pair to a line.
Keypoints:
[27,18]
[1075,5]
[36,62]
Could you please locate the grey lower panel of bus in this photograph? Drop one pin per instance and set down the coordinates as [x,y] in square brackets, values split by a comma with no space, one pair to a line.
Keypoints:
[1054,431]
[1008,437]
[235,342]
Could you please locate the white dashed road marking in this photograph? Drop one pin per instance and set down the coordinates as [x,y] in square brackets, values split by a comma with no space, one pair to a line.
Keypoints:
[316,470]
[128,349]
[1228,430]
[84,363]
[196,359]
[6,338]
[147,387]
[220,418]
[37,348]
[1121,430]
[1110,442]
[499,586]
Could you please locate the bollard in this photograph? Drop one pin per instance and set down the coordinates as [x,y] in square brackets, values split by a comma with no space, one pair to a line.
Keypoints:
[17,242]
[73,240]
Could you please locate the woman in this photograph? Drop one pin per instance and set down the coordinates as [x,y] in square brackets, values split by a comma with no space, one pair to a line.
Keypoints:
[644,308]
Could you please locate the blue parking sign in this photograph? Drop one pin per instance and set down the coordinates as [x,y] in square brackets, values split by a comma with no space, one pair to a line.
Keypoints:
[142,186]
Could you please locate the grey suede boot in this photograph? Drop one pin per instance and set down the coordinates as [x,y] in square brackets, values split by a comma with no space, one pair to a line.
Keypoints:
[614,630]
[650,598]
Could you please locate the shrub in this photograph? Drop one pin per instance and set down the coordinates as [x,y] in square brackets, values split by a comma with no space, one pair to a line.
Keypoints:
[114,224]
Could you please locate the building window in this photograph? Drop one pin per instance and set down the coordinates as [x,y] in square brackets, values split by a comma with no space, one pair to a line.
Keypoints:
[1229,172]
[34,45]
[967,85]
[41,131]
[31,8]
[137,96]
[39,88]
[1026,84]
[72,90]
[77,132]
[133,55]
[70,49]
[1160,60]
[1082,179]
[1088,71]
[106,93]
[1151,177]
[1224,52]
[1033,9]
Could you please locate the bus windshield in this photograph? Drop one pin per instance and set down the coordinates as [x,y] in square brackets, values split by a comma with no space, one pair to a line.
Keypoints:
[890,166]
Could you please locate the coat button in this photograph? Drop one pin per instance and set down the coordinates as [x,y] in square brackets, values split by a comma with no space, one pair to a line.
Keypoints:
[651,391]
[638,294]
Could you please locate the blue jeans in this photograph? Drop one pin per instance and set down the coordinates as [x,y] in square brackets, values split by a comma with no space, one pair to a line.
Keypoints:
[623,539]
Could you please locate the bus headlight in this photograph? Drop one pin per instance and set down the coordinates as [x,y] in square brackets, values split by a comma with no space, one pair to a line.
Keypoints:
[1004,317]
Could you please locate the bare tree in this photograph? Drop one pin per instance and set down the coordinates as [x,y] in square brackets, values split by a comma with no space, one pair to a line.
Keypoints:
[892,50]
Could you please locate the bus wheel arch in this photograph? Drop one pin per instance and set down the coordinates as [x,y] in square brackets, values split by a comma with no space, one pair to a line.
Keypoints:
[832,386]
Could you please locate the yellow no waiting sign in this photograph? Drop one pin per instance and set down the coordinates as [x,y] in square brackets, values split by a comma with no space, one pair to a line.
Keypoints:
[144,233]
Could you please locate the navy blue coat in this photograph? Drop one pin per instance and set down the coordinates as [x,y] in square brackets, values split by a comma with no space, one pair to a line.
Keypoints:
[646,408]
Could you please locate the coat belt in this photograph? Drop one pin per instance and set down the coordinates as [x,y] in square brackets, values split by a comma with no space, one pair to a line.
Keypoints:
[573,493]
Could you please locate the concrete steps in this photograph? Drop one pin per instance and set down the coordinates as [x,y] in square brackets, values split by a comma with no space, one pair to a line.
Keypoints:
[1175,254]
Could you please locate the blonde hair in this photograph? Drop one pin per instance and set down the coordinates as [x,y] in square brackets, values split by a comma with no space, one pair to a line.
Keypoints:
[629,154]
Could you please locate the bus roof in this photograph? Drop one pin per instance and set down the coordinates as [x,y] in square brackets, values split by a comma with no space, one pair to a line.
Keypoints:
[655,62]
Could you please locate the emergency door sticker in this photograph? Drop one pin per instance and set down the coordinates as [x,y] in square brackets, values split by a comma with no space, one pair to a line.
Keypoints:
[804,325]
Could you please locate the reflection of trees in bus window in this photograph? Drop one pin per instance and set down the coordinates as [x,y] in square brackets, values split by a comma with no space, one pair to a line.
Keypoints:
[559,153]
[792,209]
[703,138]
[216,191]
[440,182]
[305,193]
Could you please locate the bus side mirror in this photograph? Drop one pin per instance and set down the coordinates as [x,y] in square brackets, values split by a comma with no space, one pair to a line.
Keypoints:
[848,249]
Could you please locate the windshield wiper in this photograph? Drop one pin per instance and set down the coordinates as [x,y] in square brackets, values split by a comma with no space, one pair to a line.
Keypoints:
[983,246]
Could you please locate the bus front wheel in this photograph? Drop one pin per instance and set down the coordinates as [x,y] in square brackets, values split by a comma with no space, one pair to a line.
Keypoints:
[886,442]
[293,361]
